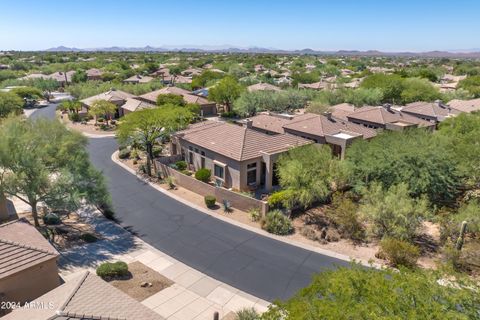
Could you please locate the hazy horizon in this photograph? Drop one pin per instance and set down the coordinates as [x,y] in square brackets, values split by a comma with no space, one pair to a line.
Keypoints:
[413,26]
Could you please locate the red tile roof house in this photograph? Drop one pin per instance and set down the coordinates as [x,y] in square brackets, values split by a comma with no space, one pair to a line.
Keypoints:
[239,157]
[28,263]
[94,74]
[117,97]
[385,117]
[465,105]
[322,129]
[138,79]
[208,107]
[86,297]
[434,112]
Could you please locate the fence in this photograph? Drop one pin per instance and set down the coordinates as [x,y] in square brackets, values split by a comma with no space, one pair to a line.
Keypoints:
[237,200]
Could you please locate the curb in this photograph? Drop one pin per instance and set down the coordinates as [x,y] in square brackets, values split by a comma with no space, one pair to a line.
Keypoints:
[295,243]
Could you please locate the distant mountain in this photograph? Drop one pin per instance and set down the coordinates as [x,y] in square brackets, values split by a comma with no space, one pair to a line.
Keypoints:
[472,53]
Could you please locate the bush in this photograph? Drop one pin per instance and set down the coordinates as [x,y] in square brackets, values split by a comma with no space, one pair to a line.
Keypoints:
[399,252]
[124,154]
[277,223]
[74,117]
[171,182]
[203,175]
[343,213]
[112,270]
[254,214]
[229,114]
[210,201]
[282,199]
[157,151]
[186,172]
[247,314]
[309,233]
[181,165]
[88,237]
[100,120]
[51,219]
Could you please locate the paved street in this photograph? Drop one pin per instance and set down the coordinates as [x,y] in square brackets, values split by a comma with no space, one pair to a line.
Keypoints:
[258,265]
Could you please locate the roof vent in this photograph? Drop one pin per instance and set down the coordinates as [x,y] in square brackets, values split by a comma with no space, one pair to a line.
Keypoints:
[388,107]
[328,115]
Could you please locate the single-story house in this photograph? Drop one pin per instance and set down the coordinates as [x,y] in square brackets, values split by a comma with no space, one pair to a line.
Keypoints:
[138,79]
[116,97]
[430,111]
[263,87]
[132,105]
[182,79]
[322,129]
[465,105]
[385,117]
[190,72]
[94,74]
[239,157]
[85,297]
[28,263]
[207,107]
[62,77]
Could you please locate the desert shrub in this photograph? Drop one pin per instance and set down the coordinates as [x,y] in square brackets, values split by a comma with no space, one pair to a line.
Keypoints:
[309,233]
[254,214]
[88,237]
[210,201]
[124,154]
[106,210]
[181,165]
[51,219]
[277,223]
[134,154]
[247,314]
[112,270]
[343,213]
[157,151]
[282,198]
[100,120]
[399,252]
[171,182]
[229,114]
[74,117]
[203,175]
[186,172]
[227,206]
[142,168]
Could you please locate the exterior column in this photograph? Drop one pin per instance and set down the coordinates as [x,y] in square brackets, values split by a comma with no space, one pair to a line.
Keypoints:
[268,174]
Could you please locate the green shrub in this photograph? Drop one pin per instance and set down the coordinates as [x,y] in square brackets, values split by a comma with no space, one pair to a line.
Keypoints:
[247,314]
[254,214]
[124,154]
[74,117]
[181,165]
[88,237]
[157,151]
[186,172]
[399,252]
[51,219]
[210,201]
[229,114]
[100,120]
[112,270]
[282,199]
[134,154]
[309,233]
[277,223]
[203,175]
[171,182]
[344,214]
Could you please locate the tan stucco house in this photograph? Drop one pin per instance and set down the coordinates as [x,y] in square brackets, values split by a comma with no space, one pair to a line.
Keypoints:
[28,263]
[239,157]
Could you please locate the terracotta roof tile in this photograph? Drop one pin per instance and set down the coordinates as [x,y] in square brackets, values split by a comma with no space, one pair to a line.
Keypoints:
[382,116]
[465,105]
[430,109]
[151,97]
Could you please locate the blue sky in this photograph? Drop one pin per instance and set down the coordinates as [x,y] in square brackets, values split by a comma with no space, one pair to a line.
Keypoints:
[324,25]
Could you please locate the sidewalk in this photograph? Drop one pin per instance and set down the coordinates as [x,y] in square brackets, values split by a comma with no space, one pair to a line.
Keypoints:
[194,294]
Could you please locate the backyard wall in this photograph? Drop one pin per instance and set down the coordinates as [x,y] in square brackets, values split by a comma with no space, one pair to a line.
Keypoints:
[237,200]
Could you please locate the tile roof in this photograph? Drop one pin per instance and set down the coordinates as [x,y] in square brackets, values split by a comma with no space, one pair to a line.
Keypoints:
[21,247]
[465,105]
[94,72]
[85,297]
[187,95]
[237,142]
[382,116]
[320,125]
[430,109]
[134,104]
[263,87]
[138,79]
[342,110]
[269,122]
[111,95]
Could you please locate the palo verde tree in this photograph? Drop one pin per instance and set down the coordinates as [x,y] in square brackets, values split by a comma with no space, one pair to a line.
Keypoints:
[148,125]
[43,162]
[102,108]
[225,92]
[10,103]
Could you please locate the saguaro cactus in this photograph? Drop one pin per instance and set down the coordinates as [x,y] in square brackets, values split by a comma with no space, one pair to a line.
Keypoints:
[461,237]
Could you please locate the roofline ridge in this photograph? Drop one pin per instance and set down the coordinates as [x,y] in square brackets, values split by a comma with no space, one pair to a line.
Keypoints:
[23,219]
[27,247]
[74,292]
[243,143]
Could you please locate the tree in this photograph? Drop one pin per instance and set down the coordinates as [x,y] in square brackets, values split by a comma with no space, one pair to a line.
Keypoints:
[70,106]
[10,103]
[170,98]
[310,173]
[390,85]
[27,92]
[225,92]
[393,213]
[148,125]
[471,84]
[366,293]
[42,161]
[102,108]
[416,89]
[416,157]
[79,76]
[206,78]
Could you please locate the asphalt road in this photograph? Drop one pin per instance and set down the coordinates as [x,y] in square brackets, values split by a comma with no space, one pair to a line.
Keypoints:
[261,266]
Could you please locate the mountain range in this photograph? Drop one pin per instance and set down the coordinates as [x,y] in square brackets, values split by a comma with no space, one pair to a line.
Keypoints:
[471,53]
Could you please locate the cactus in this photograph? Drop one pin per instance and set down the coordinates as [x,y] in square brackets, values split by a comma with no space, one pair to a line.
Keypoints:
[461,237]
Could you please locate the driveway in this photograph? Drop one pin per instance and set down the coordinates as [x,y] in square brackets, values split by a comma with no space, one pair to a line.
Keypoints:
[261,266]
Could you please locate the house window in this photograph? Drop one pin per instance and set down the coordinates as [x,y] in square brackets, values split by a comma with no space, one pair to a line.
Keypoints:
[196,150]
[219,171]
[190,148]
[190,157]
[252,173]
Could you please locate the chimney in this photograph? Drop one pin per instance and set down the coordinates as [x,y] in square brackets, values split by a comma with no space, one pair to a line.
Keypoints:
[328,115]
[388,106]
[248,123]
[440,104]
